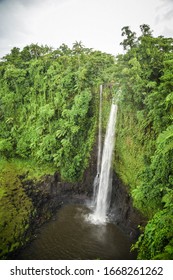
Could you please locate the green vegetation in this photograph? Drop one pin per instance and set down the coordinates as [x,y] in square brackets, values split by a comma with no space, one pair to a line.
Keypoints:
[48,122]
[15,211]
[144,145]
[48,108]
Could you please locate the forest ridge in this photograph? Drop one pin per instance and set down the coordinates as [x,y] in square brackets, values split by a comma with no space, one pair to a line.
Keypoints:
[49,113]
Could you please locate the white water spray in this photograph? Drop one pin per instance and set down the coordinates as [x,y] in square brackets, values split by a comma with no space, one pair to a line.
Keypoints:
[102,200]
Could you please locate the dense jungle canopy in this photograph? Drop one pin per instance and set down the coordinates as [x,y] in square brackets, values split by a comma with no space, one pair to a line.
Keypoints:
[49,116]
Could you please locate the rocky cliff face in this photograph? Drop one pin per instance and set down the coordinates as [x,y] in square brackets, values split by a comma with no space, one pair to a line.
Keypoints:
[40,199]
[51,192]
[124,214]
[27,203]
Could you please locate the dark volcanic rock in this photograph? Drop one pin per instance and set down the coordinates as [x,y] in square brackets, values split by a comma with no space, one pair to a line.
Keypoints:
[51,192]
[122,210]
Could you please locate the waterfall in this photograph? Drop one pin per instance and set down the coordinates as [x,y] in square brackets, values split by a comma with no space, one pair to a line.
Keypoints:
[99,151]
[103,196]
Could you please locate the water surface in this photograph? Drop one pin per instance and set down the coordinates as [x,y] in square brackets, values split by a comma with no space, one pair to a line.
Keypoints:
[70,236]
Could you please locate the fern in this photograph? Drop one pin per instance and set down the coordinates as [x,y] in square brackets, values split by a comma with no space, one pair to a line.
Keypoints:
[165,140]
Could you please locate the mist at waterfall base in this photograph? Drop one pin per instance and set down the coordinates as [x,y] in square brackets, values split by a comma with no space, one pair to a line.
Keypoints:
[83,230]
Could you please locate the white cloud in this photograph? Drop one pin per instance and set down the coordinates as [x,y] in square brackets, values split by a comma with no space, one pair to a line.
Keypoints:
[97,23]
[164,18]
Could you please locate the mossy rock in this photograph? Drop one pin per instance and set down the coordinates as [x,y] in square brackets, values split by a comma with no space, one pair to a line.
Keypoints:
[15,210]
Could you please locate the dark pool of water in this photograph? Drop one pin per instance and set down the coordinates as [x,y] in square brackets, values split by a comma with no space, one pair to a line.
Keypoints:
[70,236]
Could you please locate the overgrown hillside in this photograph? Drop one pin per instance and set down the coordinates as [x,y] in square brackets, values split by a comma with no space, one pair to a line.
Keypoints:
[144,145]
[49,105]
[48,122]
[49,101]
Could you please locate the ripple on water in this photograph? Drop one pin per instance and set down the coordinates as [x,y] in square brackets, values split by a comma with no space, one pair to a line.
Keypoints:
[72,234]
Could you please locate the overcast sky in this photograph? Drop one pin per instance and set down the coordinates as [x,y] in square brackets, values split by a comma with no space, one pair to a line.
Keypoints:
[97,23]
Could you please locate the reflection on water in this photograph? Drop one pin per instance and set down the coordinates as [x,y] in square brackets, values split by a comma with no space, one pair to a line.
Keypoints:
[70,236]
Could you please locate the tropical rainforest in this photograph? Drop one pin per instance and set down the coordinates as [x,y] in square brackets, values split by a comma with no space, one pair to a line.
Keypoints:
[49,118]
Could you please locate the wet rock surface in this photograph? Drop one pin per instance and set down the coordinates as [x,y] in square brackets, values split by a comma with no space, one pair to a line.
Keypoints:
[50,193]
[122,211]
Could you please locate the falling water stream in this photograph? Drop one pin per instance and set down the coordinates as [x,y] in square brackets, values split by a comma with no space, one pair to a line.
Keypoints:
[81,232]
[105,179]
